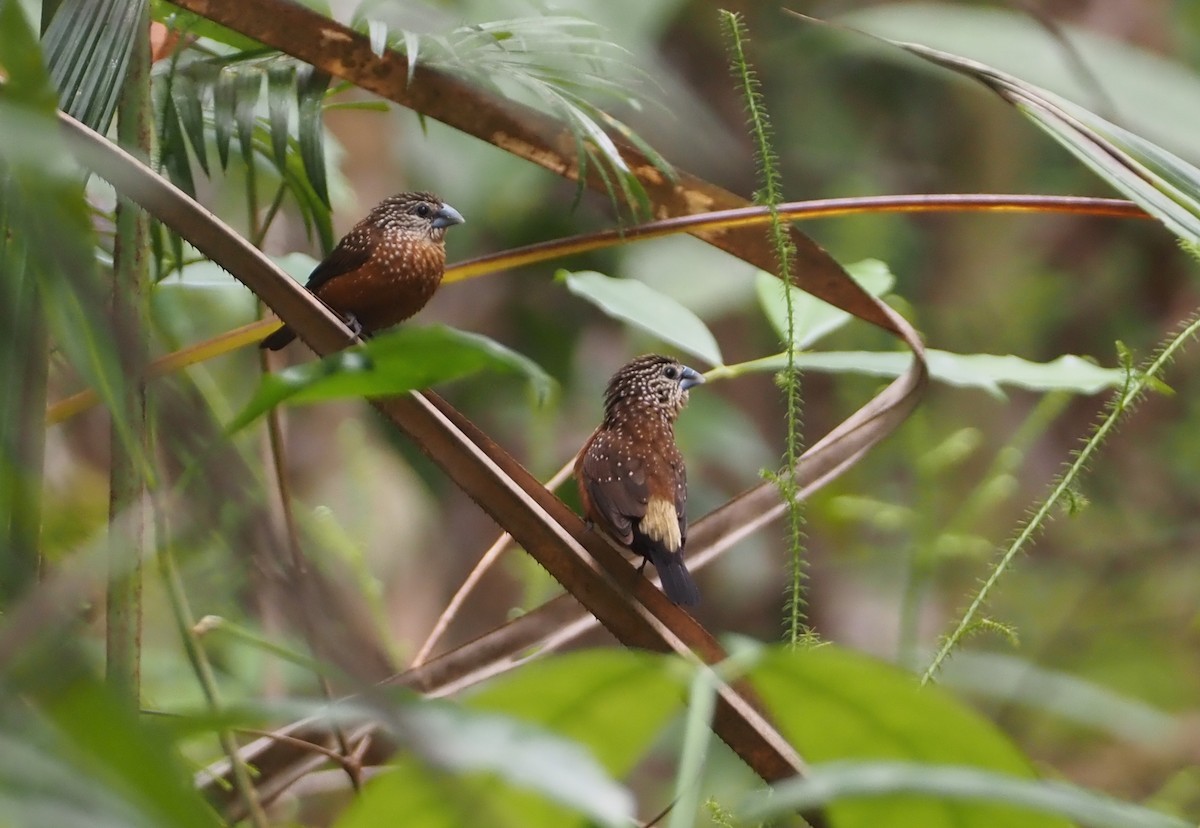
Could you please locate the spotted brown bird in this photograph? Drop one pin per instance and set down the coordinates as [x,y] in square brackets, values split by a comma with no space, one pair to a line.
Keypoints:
[631,476]
[385,269]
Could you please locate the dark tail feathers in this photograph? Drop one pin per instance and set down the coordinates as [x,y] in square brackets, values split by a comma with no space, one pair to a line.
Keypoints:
[677,582]
[279,339]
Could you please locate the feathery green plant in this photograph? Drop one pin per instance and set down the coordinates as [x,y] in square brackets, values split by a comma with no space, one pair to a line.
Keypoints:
[1137,384]
[555,62]
[771,195]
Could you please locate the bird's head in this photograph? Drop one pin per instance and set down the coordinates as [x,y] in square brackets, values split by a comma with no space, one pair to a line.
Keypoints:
[657,382]
[421,214]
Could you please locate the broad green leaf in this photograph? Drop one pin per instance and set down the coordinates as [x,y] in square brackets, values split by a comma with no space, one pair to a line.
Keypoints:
[833,704]
[896,788]
[613,701]
[406,359]
[1011,680]
[426,798]
[813,317]
[645,308]
[80,749]
[525,756]
[986,371]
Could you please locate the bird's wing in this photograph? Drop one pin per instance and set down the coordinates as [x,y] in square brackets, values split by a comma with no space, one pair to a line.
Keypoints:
[351,253]
[681,500]
[618,492]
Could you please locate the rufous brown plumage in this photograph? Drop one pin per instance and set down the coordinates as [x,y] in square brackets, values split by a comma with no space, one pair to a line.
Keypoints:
[632,479]
[387,268]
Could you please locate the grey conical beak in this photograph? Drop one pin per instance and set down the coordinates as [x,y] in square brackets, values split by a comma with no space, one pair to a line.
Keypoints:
[446,217]
[689,378]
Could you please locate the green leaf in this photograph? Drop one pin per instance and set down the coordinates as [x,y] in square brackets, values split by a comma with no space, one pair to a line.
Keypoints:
[185,100]
[1016,801]
[1121,77]
[175,155]
[814,318]
[424,796]
[645,308]
[201,27]
[520,754]
[986,371]
[87,48]
[1010,680]
[310,95]
[406,359]
[47,236]
[133,752]
[1163,184]
[248,88]
[833,704]
[280,76]
[224,105]
[613,701]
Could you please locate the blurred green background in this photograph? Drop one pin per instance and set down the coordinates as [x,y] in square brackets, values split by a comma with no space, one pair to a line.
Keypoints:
[897,546]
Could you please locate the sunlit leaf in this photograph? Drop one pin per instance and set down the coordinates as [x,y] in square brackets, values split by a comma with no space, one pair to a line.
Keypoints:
[406,359]
[814,318]
[655,313]
[898,787]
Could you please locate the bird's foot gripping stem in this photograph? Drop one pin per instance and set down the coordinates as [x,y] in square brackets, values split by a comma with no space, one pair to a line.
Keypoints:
[355,326]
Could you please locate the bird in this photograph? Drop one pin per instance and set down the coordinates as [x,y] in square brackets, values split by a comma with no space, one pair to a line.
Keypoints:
[631,476]
[386,268]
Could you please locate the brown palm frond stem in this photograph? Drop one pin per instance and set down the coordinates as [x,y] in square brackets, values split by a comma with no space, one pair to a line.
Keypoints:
[586,565]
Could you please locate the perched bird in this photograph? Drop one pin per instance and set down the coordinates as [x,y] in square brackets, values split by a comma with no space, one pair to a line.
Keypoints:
[631,476]
[385,269]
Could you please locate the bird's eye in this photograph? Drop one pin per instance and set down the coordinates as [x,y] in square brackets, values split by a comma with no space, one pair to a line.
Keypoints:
[424,210]
[670,372]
